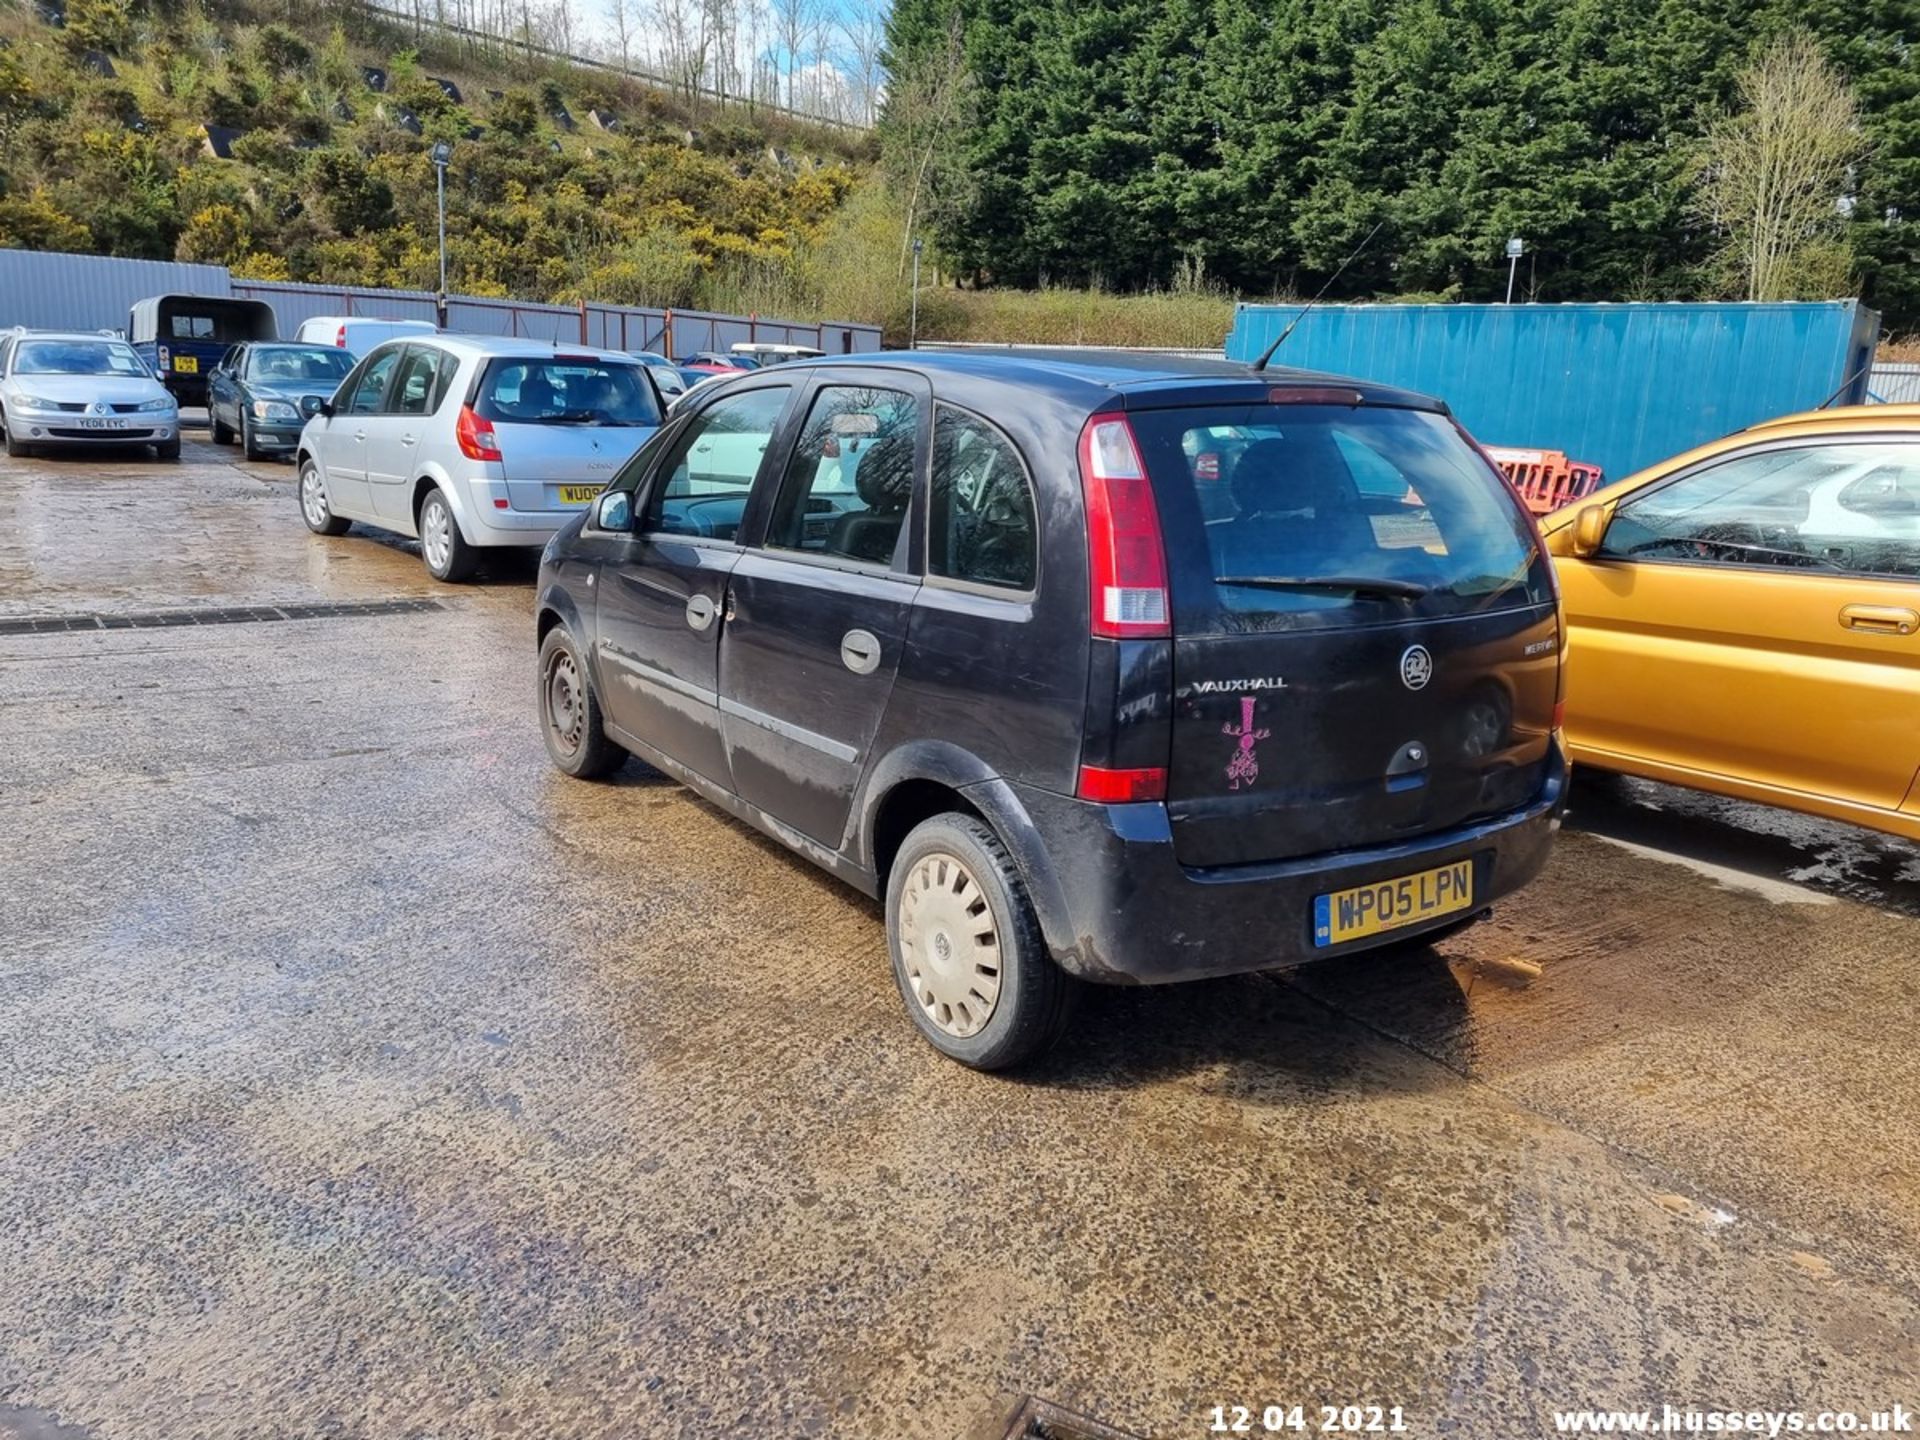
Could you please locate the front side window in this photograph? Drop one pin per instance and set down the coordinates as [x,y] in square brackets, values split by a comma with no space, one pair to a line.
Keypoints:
[566,390]
[77,357]
[980,518]
[704,481]
[846,489]
[372,384]
[1851,507]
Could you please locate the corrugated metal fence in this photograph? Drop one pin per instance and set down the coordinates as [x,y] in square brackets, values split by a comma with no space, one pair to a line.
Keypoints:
[47,291]
[1895,383]
[1619,386]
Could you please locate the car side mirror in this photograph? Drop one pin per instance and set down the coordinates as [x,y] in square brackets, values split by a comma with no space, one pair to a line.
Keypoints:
[614,511]
[1590,530]
[325,407]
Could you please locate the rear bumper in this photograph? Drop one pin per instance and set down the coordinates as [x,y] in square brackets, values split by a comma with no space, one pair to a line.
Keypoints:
[1137,916]
[516,527]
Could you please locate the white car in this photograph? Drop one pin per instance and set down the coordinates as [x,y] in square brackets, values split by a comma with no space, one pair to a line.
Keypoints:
[75,391]
[357,334]
[472,441]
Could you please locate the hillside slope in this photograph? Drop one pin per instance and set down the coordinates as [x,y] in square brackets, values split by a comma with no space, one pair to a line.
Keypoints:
[320,175]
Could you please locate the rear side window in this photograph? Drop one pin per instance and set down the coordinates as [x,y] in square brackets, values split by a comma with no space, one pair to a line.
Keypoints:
[847,486]
[980,520]
[566,390]
[418,381]
[192,327]
[1295,516]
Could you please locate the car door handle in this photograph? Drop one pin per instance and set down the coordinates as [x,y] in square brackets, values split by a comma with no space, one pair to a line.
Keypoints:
[359,434]
[700,611]
[406,439]
[1880,619]
[860,651]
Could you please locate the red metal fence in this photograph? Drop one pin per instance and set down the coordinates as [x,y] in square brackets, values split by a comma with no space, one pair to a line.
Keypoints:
[1546,479]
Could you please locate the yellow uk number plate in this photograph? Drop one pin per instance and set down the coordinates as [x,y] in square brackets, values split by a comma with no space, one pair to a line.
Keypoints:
[1391,904]
[187,364]
[579,494]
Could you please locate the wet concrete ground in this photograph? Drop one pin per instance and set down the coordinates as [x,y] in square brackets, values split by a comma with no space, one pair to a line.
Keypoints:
[361,1076]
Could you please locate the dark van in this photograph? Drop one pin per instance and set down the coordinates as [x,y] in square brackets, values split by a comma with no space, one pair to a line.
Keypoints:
[182,337]
[1123,670]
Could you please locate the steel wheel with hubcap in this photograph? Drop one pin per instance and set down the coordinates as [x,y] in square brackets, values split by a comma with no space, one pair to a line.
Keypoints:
[442,546]
[577,742]
[968,954]
[949,945]
[314,508]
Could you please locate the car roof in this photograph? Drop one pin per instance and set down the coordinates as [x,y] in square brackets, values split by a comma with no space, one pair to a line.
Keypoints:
[24,334]
[1100,376]
[507,345]
[367,320]
[1898,416]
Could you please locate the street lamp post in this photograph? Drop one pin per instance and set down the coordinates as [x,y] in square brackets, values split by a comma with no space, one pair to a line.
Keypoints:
[441,153]
[913,323]
[1516,247]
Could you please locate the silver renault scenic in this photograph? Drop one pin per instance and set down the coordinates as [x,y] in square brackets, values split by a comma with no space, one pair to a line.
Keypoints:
[471,441]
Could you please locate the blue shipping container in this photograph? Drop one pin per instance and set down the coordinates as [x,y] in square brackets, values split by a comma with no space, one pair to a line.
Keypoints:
[1619,386]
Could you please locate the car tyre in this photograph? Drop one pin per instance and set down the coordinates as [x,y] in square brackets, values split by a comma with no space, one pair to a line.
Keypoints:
[248,449]
[168,449]
[570,714]
[447,554]
[17,448]
[315,508]
[968,957]
[221,434]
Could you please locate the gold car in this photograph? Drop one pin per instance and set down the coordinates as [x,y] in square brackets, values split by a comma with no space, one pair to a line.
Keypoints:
[1745,618]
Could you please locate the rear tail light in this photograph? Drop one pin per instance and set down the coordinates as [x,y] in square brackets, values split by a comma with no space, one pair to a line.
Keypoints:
[340,337]
[1127,563]
[1119,787]
[476,437]
[1559,715]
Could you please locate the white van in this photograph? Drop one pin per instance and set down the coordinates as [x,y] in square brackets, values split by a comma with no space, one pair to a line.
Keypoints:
[357,334]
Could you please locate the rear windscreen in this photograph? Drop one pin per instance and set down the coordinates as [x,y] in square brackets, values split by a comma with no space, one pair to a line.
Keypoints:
[566,391]
[1290,516]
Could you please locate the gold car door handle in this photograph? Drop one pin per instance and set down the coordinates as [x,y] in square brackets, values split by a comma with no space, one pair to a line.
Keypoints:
[1880,619]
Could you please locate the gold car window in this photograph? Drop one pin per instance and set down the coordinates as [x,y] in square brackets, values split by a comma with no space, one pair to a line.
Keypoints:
[1846,506]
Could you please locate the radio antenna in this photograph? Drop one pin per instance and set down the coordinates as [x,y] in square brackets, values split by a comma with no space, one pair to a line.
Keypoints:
[1261,363]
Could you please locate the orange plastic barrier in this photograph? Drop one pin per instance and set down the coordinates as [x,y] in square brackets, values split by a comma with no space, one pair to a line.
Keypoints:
[1546,479]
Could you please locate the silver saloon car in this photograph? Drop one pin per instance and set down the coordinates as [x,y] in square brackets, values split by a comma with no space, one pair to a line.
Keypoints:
[61,390]
[472,441]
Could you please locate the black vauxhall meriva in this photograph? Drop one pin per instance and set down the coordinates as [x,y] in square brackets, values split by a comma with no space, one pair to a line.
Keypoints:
[1131,670]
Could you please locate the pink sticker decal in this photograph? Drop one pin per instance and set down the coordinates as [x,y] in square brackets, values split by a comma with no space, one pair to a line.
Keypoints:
[1244,767]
